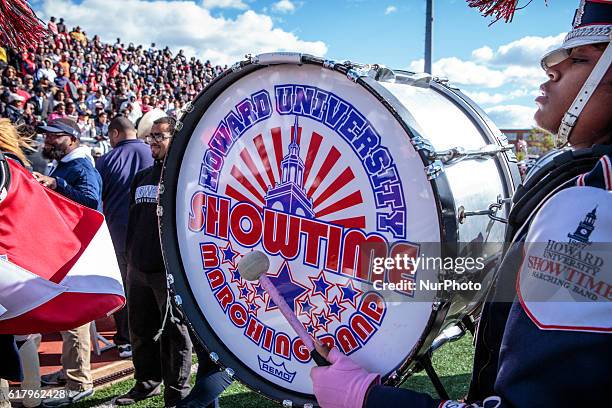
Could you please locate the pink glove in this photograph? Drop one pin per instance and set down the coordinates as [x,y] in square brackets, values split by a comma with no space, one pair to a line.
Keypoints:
[343,384]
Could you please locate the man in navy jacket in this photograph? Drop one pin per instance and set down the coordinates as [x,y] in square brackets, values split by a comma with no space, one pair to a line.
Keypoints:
[117,169]
[75,177]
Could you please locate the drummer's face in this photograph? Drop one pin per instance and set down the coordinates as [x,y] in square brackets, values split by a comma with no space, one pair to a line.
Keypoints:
[558,93]
[159,148]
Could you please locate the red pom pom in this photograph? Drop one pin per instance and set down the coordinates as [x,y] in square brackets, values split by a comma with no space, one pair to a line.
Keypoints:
[498,9]
[19,26]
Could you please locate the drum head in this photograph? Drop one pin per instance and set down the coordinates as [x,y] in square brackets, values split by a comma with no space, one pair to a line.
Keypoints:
[309,167]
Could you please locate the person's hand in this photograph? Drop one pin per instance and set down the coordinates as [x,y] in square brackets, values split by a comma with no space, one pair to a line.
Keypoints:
[46,181]
[344,384]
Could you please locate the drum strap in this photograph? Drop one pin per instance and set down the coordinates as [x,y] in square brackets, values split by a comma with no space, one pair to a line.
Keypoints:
[560,170]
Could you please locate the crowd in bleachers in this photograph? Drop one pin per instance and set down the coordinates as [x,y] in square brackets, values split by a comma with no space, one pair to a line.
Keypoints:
[80,77]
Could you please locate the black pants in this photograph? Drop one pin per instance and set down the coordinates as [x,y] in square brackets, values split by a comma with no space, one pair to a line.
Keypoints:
[122,336]
[168,359]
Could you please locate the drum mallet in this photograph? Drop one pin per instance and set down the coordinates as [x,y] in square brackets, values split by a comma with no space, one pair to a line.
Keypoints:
[253,266]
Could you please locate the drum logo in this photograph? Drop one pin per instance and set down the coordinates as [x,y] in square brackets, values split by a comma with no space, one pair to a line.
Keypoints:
[311,195]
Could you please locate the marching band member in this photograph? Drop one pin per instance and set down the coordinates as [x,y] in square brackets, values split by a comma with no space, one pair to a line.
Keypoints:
[545,354]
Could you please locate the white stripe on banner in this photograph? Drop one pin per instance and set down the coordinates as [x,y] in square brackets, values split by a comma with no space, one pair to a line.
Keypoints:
[22,290]
[96,271]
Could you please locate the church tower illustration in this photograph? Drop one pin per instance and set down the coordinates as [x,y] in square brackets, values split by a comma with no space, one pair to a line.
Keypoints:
[289,195]
[584,229]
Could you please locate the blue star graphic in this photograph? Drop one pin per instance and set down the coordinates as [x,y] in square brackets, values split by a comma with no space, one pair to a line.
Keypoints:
[320,285]
[287,287]
[259,291]
[310,329]
[243,291]
[321,320]
[336,309]
[228,253]
[235,275]
[349,293]
[253,308]
[305,305]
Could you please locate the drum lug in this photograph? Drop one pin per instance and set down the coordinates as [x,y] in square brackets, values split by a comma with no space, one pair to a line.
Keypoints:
[170,279]
[424,146]
[355,73]
[214,357]
[178,126]
[435,306]
[329,64]
[160,211]
[188,107]
[237,66]
[161,189]
[230,373]
[434,170]
[287,403]
[178,300]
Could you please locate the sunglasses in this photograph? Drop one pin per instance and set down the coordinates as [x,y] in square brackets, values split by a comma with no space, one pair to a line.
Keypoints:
[158,137]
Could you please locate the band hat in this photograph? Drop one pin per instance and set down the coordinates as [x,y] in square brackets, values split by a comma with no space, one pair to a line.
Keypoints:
[62,125]
[592,25]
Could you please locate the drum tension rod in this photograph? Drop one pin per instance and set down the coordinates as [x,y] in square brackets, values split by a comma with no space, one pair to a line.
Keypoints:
[457,154]
[462,214]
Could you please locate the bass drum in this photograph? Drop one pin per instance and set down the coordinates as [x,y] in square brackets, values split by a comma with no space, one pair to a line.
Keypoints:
[312,161]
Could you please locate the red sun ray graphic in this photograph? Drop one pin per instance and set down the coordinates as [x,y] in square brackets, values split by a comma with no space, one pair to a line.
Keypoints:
[248,160]
[263,155]
[239,197]
[328,164]
[277,142]
[313,149]
[249,181]
[239,177]
[342,204]
[343,179]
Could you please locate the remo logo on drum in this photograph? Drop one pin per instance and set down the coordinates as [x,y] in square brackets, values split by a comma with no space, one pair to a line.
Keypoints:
[308,172]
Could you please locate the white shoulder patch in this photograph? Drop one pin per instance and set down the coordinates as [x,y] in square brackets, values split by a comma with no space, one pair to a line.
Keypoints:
[565,281]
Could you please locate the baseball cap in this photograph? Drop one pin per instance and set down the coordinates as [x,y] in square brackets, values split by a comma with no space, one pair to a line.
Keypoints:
[592,24]
[62,125]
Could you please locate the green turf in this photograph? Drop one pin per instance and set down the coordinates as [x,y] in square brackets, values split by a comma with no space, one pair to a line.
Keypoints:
[453,363]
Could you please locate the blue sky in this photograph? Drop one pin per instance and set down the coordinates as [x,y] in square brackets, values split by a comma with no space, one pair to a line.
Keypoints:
[496,65]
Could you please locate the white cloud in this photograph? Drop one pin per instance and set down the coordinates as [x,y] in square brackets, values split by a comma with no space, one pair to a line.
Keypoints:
[390,9]
[515,63]
[512,116]
[463,72]
[482,54]
[525,51]
[283,6]
[502,80]
[487,98]
[229,4]
[180,24]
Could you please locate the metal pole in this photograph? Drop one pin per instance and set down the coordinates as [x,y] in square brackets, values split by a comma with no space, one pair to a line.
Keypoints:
[428,36]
